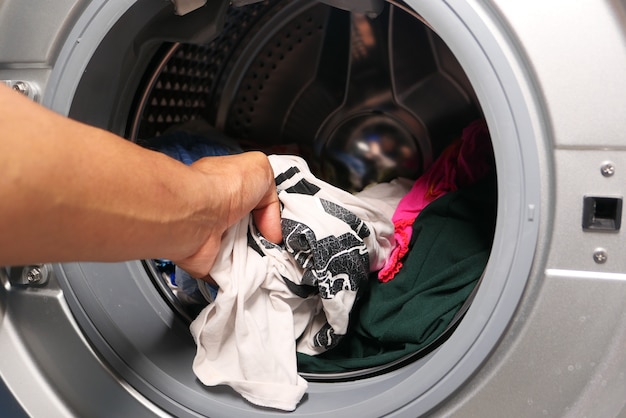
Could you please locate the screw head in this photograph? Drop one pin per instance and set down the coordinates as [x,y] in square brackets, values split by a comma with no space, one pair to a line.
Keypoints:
[600,256]
[21,87]
[34,275]
[607,169]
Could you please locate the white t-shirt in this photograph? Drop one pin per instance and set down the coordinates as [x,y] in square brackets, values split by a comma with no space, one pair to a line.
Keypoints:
[274,300]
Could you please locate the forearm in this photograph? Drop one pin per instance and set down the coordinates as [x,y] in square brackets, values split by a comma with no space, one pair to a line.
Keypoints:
[73,192]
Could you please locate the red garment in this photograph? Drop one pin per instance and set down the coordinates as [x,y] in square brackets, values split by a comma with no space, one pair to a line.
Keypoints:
[462,163]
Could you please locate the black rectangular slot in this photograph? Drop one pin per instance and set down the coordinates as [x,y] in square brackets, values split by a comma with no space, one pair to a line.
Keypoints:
[602,213]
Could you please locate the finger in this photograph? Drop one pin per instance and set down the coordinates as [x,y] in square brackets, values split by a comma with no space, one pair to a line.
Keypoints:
[267,218]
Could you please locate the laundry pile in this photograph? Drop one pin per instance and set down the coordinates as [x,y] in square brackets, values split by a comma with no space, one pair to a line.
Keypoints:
[449,248]
[313,303]
[462,163]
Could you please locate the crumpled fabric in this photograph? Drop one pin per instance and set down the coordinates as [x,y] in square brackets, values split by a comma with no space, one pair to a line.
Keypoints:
[274,300]
[408,316]
[462,163]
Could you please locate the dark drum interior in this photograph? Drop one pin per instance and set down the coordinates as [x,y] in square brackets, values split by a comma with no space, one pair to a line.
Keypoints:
[287,77]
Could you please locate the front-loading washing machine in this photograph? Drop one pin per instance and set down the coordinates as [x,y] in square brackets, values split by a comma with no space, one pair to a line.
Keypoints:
[543,333]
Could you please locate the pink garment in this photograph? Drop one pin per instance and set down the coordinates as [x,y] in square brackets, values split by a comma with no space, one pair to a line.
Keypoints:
[463,162]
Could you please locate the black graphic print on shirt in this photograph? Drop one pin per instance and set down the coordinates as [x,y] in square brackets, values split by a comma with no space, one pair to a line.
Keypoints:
[326,337]
[303,187]
[286,175]
[332,263]
[339,212]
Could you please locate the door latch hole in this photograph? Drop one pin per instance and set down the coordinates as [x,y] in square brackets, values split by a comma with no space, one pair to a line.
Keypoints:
[602,213]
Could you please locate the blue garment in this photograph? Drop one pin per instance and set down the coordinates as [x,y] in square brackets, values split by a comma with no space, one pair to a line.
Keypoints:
[188,147]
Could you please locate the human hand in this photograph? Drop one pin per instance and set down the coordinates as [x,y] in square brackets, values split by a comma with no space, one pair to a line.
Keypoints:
[103,198]
[235,186]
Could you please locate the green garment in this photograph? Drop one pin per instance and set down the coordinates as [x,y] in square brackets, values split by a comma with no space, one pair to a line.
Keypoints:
[450,246]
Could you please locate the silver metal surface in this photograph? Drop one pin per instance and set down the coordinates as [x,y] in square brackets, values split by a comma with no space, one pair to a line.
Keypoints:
[546,332]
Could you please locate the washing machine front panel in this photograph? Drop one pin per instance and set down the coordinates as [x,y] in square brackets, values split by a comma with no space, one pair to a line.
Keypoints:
[565,333]
[550,286]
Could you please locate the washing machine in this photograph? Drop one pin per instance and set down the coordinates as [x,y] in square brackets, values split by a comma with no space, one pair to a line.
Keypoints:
[543,333]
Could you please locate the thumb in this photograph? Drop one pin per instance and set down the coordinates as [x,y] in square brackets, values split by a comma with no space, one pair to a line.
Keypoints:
[267,217]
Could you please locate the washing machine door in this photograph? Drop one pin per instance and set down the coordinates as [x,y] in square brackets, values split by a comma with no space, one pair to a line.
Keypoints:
[543,333]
